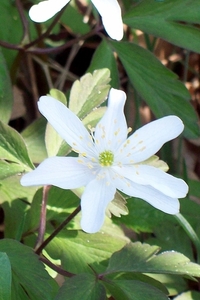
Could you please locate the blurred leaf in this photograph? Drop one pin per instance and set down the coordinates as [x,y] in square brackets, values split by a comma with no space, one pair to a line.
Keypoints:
[60,204]
[77,249]
[15,200]
[12,30]
[143,217]
[34,136]
[137,257]
[28,271]
[84,287]
[174,284]
[89,92]
[104,58]
[5,277]
[6,96]
[72,19]
[13,148]
[157,85]
[170,19]
[189,295]
[133,289]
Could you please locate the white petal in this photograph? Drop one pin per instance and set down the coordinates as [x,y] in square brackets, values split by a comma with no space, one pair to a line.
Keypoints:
[147,140]
[64,172]
[110,12]
[45,10]
[148,175]
[111,131]
[98,193]
[154,197]
[66,123]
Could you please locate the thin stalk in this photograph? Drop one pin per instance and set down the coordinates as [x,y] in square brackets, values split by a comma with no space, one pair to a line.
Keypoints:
[42,226]
[57,230]
[190,232]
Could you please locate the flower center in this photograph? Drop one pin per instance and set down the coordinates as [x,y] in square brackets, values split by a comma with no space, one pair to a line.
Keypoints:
[106,158]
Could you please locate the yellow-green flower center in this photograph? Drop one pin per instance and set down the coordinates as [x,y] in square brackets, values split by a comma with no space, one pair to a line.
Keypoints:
[106,158]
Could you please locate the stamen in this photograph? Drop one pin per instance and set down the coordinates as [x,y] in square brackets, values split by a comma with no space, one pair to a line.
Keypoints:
[106,158]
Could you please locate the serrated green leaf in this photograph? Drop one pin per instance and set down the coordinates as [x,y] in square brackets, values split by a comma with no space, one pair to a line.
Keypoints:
[89,92]
[29,271]
[78,249]
[5,277]
[104,58]
[134,289]
[137,257]
[6,96]
[84,287]
[169,19]
[13,148]
[157,85]
[34,136]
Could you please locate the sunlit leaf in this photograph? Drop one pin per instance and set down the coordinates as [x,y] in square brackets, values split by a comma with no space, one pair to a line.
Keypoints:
[89,92]
[137,257]
[13,148]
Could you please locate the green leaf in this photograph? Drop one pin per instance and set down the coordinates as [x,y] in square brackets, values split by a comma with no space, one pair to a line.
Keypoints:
[13,148]
[72,19]
[134,289]
[9,169]
[169,19]
[12,31]
[89,92]
[104,58]
[5,277]
[142,258]
[15,202]
[29,273]
[34,136]
[157,85]
[84,287]
[60,204]
[6,96]
[78,249]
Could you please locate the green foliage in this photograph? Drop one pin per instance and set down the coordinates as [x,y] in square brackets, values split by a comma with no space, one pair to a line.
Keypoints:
[27,273]
[169,19]
[145,253]
[6,97]
[157,85]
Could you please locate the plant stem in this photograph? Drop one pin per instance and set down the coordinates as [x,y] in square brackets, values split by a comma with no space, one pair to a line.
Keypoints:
[57,230]
[42,226]
[190,232]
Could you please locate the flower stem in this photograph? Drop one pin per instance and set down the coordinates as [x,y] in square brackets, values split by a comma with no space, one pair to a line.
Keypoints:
[42,226]
[190,232]
[57,230]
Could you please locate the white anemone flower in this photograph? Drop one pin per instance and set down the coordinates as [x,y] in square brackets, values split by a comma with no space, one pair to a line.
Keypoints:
[109,10]
[108,160]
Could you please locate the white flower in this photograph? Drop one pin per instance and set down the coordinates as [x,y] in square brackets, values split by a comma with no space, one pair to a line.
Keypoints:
[109,10]
[108,160]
